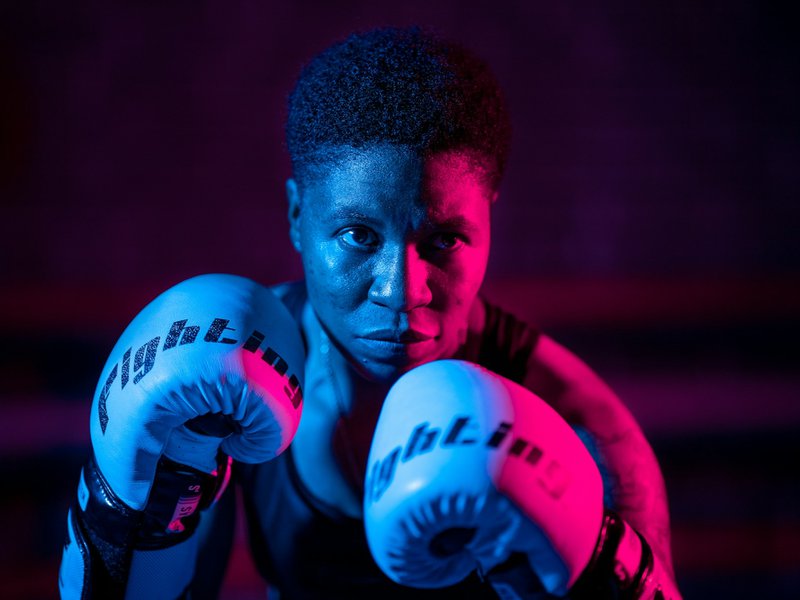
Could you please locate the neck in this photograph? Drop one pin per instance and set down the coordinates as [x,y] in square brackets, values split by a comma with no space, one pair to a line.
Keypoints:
[356,393]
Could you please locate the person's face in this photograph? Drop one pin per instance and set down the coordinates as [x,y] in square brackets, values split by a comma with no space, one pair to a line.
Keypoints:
[394,249]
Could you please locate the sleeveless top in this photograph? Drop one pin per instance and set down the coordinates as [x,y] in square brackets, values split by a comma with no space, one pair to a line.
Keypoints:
[308,549]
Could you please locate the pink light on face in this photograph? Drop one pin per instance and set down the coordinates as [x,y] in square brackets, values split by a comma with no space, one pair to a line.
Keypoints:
[453,252]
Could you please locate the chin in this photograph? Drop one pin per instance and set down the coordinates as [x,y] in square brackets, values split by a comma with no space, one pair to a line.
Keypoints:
[388,372]
[384,363]
[378,372]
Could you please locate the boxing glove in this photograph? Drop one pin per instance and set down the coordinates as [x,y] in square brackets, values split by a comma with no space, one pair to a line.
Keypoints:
[470,471]
[208,371]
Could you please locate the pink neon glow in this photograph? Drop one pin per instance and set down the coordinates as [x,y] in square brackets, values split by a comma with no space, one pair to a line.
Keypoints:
[272,387]
[445,269]
[563,492]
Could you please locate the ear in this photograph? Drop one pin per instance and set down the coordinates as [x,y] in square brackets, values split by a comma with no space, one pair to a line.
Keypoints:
[293,196]
[495,196]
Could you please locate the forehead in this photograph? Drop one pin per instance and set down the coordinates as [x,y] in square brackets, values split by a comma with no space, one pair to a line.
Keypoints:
[378,169]
[389,178]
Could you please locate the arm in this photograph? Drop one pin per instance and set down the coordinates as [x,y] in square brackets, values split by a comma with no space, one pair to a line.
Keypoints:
[582,398]
[115,551]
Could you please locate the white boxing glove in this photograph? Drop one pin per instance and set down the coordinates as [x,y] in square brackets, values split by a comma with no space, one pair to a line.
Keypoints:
[214,345]
[468,470]
[210,369]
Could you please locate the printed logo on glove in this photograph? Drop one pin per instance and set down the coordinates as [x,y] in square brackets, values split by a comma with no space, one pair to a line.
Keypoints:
[179,335]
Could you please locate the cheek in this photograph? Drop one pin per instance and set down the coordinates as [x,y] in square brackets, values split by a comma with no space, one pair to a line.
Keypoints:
[474,266]
[334,281]
[458,283]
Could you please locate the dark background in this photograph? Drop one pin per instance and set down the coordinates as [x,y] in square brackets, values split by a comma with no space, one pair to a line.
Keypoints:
[649,220]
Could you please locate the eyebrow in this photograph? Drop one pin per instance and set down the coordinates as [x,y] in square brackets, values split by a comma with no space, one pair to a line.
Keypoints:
[345,213]
[455,222]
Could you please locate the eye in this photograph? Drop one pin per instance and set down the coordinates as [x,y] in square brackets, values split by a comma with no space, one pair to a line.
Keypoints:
[446,242]
[358,237]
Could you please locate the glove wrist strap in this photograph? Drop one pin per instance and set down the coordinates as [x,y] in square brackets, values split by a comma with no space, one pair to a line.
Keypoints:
[620,564]
[172,512]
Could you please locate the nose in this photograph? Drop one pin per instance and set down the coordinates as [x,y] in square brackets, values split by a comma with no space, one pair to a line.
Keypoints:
[400,280]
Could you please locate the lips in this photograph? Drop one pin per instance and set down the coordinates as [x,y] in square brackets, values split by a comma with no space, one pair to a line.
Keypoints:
[403,337]
[398,347]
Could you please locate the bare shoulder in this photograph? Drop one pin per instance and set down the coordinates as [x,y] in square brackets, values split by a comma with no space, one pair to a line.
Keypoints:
[288,288]
[293,295]
[570,385]
[551,362]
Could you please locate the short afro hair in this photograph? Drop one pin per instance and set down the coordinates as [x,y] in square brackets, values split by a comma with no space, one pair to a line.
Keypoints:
[399,86]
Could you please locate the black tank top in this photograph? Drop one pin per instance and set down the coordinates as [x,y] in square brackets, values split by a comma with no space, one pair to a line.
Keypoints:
[307,549]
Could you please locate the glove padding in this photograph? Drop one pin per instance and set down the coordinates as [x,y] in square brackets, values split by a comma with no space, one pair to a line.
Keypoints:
[466,468]
[215,361]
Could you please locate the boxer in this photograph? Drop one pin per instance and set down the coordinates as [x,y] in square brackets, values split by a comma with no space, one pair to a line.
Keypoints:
[398,142]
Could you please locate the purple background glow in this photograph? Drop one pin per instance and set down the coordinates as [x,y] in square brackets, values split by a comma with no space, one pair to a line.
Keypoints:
[648,219]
